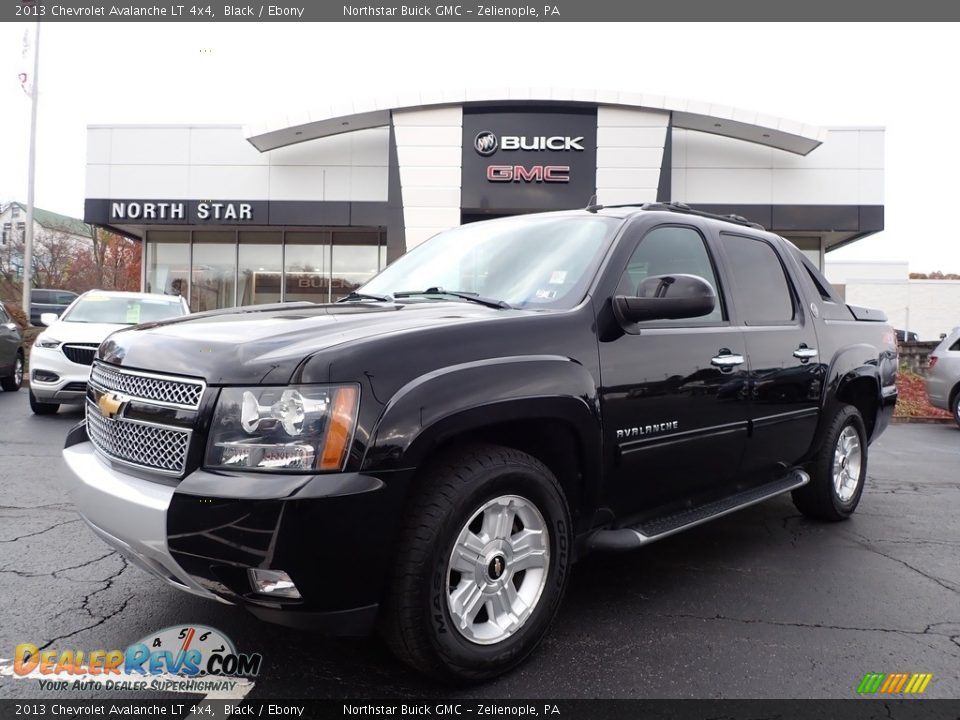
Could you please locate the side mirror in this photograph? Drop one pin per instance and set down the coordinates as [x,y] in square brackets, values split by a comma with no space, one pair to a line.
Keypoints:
[48,319]
[666,297]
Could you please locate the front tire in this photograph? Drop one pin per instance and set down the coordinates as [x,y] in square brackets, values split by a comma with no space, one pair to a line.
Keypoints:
[42,408]
[956,407]
[839,469]
[15,380]
[482,566]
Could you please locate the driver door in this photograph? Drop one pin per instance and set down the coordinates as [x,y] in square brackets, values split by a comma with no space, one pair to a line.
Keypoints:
[675,404]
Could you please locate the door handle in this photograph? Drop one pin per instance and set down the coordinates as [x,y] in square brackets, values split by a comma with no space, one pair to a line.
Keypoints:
[805,353]
[727,360]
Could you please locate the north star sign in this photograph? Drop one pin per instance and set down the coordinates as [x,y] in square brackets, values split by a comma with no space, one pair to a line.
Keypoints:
[179,211]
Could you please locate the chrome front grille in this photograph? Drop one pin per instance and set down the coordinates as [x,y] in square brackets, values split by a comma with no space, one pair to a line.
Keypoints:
[137,418]
[148,446]
[161,390]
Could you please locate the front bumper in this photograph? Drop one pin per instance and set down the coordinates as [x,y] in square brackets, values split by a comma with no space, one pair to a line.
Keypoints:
[69,388]
[332,533]
[128,513]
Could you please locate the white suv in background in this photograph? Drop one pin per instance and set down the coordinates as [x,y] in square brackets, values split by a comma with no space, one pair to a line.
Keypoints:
[61,357]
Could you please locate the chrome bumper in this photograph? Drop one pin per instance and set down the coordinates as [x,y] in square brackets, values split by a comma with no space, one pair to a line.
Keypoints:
[128,513]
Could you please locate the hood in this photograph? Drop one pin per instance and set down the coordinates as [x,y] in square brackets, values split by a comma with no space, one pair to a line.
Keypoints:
[266,345]
[78,332]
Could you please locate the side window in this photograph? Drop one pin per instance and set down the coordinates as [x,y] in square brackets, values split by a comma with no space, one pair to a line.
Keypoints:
[763,293]
[65,298]
[3,316]
[667,250]
[39,296]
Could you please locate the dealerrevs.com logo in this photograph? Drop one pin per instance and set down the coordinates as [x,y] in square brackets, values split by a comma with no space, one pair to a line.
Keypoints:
[188,658]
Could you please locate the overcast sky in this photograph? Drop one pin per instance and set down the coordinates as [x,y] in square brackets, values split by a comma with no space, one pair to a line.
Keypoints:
[901,76]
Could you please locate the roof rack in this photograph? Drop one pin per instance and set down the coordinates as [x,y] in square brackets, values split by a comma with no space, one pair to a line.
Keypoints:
[677,207]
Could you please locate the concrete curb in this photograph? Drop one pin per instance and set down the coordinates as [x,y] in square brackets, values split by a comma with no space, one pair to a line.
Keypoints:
[922,420]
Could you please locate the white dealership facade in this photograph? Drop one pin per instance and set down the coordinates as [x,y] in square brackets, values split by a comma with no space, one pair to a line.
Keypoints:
[310,205]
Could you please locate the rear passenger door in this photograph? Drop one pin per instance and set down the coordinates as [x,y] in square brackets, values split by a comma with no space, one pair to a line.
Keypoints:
[785,369]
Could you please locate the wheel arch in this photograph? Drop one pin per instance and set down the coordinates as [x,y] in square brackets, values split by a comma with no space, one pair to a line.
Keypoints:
[545,406]
[861,389]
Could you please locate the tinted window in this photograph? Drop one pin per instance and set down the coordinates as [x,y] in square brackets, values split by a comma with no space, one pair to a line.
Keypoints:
[65,298]
[3,316]
[667,251]
[763,293]
[40,296]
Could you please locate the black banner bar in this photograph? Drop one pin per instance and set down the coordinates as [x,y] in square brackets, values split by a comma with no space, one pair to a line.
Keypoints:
[862,709]
[497,11]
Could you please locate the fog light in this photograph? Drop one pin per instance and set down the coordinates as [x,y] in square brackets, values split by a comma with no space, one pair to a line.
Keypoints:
[45,376]
[273,582]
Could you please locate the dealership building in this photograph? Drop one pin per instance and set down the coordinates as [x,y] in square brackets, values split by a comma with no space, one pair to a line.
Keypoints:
[310,206]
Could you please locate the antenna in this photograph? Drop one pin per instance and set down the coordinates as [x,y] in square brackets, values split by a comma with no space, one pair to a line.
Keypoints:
[592,205]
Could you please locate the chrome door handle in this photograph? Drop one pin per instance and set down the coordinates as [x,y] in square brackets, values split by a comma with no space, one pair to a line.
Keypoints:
[805,353]
[727,361]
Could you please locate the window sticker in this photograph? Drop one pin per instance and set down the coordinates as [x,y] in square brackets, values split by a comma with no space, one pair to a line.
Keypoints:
[133,313]
[558,277]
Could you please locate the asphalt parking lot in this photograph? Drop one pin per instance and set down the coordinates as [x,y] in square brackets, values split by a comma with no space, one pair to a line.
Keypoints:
[760,604]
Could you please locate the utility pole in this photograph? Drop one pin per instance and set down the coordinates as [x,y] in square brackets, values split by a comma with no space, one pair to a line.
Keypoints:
[31,171]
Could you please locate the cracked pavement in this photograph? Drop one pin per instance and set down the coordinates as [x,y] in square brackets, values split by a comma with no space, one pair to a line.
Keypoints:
[759,604]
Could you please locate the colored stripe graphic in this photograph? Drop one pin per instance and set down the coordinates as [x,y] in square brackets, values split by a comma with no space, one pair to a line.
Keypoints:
[870,683]
[894,683]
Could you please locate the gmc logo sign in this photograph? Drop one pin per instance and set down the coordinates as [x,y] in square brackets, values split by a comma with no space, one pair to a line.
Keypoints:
[534,173]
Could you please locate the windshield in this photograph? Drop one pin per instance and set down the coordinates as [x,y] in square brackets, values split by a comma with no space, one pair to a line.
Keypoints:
[533,261]
[119,310]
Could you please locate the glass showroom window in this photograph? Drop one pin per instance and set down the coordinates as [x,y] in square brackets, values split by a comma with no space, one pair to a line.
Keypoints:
[214,271]
[356,259]
[307,265]
[168,262]
[260,260]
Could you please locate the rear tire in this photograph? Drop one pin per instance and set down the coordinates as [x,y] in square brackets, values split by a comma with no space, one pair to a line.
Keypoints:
[956,407]
[42,408]
[839,469]
[15,380]
[482,565]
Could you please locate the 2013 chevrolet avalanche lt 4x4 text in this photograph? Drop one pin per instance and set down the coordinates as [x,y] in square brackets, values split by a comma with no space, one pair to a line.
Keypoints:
[430,455]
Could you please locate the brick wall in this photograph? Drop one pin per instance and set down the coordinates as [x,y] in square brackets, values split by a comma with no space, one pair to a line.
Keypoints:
[913,355]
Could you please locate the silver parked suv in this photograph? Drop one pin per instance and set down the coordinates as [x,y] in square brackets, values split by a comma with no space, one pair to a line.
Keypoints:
[943,377]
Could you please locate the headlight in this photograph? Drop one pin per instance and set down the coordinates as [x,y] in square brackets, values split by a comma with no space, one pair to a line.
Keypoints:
[45,341]
[304,427]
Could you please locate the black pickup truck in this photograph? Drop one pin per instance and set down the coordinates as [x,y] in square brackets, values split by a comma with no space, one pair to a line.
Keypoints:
[428,456]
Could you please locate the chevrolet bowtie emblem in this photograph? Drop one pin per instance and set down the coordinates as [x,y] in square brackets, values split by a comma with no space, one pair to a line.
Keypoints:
[111,404]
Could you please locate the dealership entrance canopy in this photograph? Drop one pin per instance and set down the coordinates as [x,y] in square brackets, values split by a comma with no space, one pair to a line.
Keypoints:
[309,207]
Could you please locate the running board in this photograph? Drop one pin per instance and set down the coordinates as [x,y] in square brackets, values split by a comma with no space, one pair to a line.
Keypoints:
[642,534]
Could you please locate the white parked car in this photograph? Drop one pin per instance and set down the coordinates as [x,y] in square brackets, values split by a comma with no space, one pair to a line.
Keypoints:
[62,354]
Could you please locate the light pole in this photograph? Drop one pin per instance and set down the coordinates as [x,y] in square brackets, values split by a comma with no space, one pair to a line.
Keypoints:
[31,171]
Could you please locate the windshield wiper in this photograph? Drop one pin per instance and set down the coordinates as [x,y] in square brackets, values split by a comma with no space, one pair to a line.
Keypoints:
[365,296]
[472,297]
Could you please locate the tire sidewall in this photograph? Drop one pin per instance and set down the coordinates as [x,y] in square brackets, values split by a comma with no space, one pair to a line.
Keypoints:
[542,493]
[19,365]
[956,408]
[851,418]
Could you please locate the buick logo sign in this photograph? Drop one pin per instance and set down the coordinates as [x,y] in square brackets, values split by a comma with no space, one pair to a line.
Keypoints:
[486,143]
